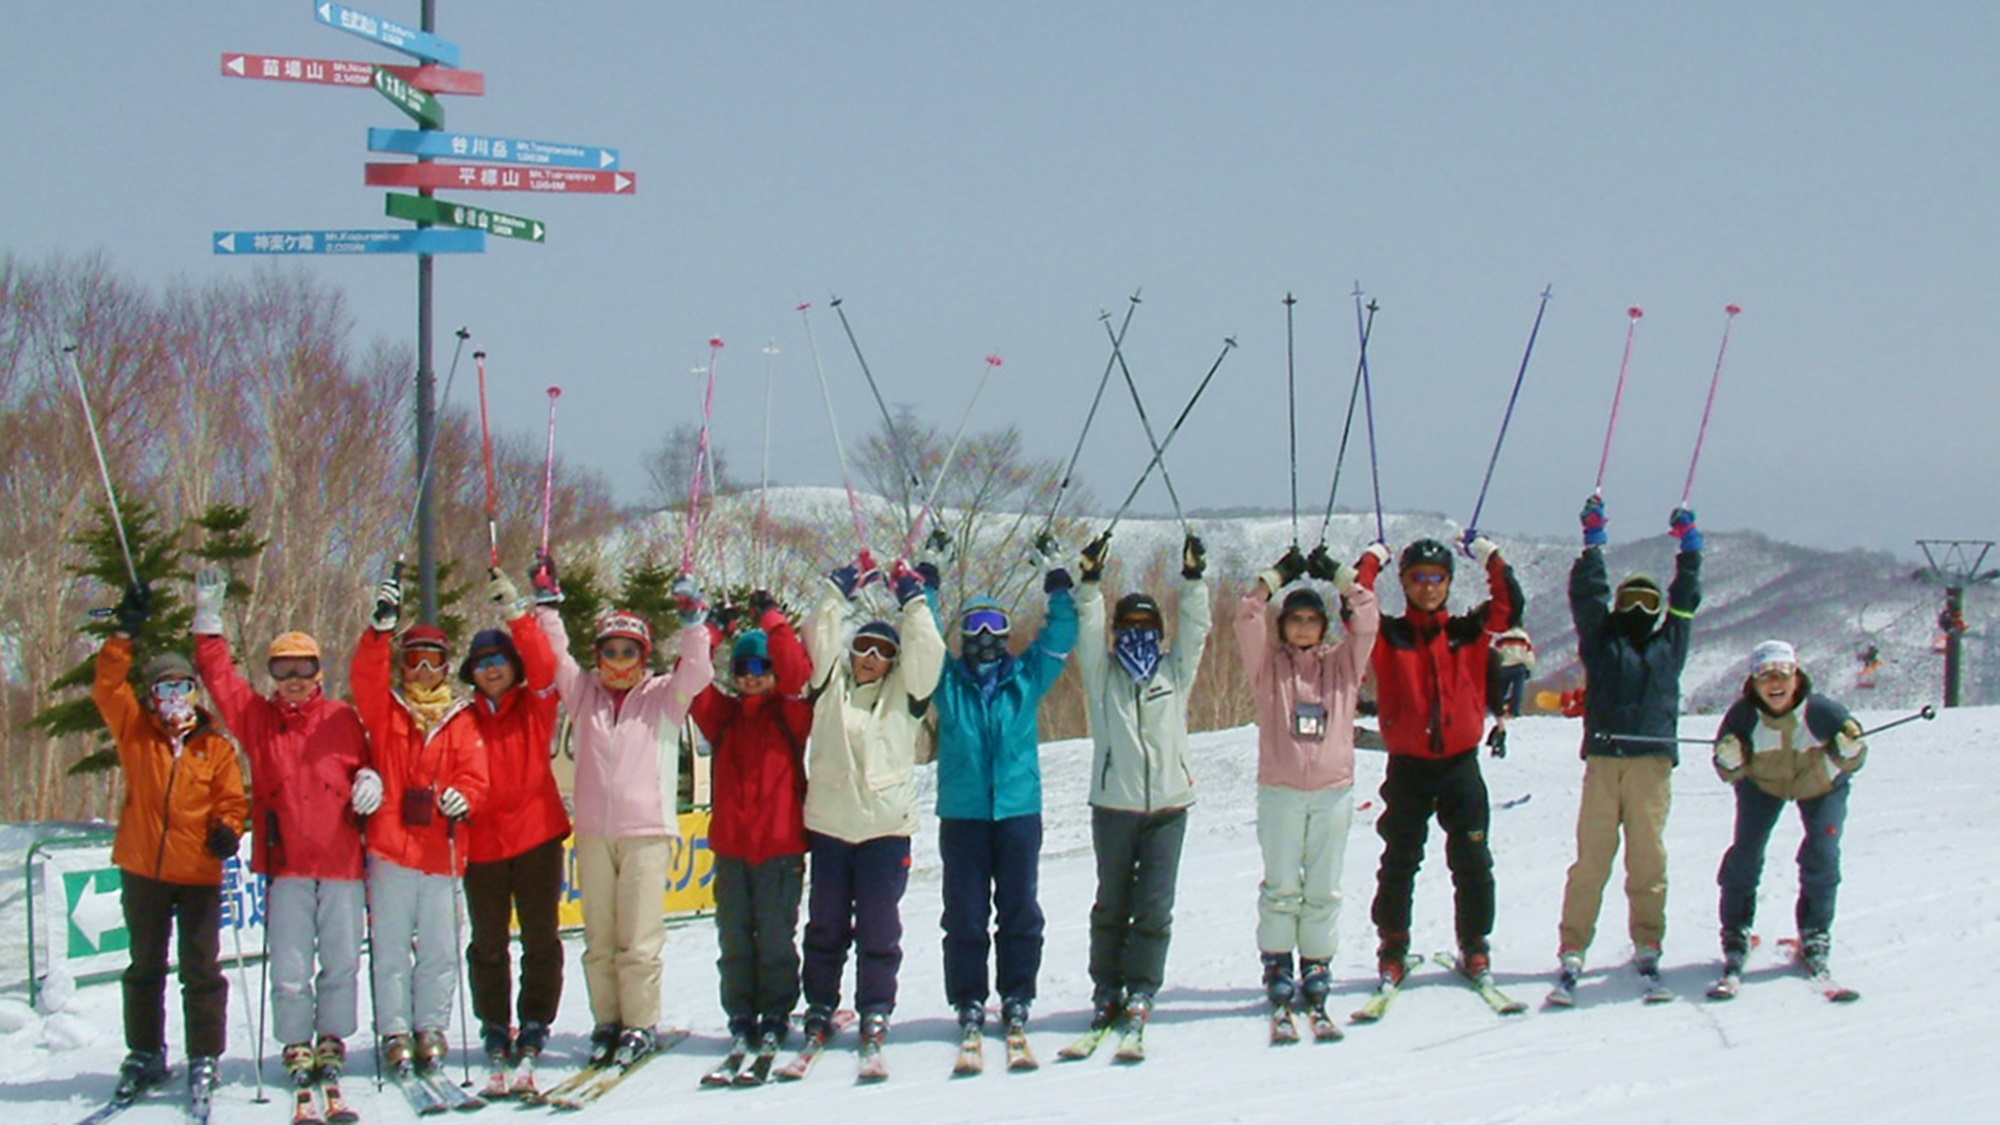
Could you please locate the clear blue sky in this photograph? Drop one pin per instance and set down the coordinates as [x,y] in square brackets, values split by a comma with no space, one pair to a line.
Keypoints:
[980,178]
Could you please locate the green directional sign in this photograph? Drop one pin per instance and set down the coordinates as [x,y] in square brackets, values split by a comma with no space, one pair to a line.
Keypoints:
[443,212]
[419,104]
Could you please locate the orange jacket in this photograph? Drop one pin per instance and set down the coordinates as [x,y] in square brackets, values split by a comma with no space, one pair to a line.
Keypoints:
[177,787]
[524,808]
[451,756]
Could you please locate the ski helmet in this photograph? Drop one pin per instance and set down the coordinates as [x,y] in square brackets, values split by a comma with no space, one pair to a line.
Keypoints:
[293,644]
[1425,552]
[425,636]
[1638,594]
[620,623]
[1137,611]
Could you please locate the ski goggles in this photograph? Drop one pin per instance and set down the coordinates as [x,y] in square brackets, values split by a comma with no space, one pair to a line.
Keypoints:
[879,647]
[619,650]
[1641,598]
[985,620]
[1427,577]
[173,689]
[293,668]
[492,660]
[750,666]
[423,660]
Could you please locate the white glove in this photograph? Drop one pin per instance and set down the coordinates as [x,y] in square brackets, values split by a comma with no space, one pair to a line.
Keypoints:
[367,791]
[939,550]
[211,590]
[501,591]
[1379,551]
[1847,744]
[1729,754]
[1483,549]
[453,804]
[1272,580]
[1047,553]
[388,608]
[1346,578]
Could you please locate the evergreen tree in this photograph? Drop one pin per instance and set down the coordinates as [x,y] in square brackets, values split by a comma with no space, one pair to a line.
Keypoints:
[226,542]
[583,601]
[156,558]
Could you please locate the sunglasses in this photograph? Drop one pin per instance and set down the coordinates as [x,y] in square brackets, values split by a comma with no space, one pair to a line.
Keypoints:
[294,668]
[173,689]
[1643,600]
[1428,577]
[1775,674]
[878,647]
[620,650]
[492,660]
[992,621]
[750,666]
[423,660]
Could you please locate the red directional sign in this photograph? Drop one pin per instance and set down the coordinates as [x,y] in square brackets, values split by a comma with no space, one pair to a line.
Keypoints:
[489,177]
[347,72]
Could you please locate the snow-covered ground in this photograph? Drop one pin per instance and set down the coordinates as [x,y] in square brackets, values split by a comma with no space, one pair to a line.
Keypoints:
[1918,935]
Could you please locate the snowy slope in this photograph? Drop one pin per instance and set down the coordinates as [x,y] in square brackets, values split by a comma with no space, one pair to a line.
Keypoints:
[1918,927]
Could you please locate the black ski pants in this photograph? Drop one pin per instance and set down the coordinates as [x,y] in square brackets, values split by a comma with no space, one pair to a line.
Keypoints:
[1132,921]
[756,928]
[154,911]
[1453,790]
[529,887]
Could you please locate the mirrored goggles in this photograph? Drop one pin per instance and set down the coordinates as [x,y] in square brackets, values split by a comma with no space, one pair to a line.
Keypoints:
[750,666]
[1428,577]
[878,647]
[423,660]
[492,660]
[985,620]
[293,668]
[173,689]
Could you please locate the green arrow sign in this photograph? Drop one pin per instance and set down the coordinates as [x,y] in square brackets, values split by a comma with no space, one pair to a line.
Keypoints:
[419,104]
[420,209]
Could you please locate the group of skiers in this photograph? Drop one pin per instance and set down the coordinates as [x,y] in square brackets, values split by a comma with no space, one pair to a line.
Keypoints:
[382,812]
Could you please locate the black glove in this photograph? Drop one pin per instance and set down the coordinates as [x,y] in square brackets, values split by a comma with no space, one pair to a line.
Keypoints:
[222,841]
[133,609]
[1291,565]
[1194,558]
[1094,554]
[1496,741]
[1320,565]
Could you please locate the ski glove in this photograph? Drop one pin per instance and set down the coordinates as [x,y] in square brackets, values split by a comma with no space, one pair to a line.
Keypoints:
[1593,520]
[1379,551]
[388,606]
[939,550]
[847,578]
[1194,558]
[1496,742]
[1320,564]
[907,584]
[1481,548]
[688,603]
[1285,571]
[453,804]
[1094,554]
[367,795]
[222,841]
[501,591]
[1681,526]
[1729,758]
[133,609]
[542,579]
[211,589]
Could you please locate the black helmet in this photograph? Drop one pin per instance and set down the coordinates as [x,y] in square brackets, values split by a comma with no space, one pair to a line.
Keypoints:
[1425,552]
[1134,608]
[1303,599]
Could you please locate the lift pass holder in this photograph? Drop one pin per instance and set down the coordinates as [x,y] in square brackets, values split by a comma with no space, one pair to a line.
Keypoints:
[1309,721]
[419,806]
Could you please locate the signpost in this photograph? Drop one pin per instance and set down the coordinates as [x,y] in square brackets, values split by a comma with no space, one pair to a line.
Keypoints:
[389,33]
[423,209]
[507,150]
[419,104]
[349,72]
[490,177]
[350,242]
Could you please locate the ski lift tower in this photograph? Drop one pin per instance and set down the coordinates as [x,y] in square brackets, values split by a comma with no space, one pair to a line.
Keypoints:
[1954,564]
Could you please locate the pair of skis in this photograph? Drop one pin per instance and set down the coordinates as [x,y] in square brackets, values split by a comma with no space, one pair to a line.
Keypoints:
[1481,983]
[431,1092]
[1285,1027]
[1131,1043]
[594,1082]
[1730,983]
[319,1102]
[197,1106]
[733,1072]
[1652,990]
[872,1070]
[972,1052]
[505,1081]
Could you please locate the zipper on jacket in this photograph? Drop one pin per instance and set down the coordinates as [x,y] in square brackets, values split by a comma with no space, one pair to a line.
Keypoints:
[166,819]
[1139,730]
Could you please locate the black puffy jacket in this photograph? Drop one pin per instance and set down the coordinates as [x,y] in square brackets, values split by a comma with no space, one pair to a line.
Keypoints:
[1631,688]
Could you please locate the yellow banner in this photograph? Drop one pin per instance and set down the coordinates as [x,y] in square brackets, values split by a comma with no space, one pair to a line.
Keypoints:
[690,878]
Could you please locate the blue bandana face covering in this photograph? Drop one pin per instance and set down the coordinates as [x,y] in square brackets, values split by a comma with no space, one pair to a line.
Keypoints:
[982,649]
[1138,650]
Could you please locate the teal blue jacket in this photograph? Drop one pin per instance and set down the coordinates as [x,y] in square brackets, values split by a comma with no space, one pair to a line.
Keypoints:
[989,748]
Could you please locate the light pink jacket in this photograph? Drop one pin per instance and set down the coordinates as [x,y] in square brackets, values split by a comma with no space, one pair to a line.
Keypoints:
[1281,677]
[627,754]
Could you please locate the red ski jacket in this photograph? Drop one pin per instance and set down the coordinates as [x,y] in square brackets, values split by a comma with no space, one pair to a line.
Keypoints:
[758,766]
[1430,668]
[302,765]
[524,808]
[410,761]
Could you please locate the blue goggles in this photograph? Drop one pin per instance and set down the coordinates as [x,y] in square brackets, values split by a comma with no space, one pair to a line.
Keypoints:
[173,689]
[750,666]
[1429,577]
[992,621]
[492,660]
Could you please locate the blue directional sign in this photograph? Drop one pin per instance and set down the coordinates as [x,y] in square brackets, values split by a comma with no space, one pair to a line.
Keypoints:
[389,33]
[508,150]
[422,241]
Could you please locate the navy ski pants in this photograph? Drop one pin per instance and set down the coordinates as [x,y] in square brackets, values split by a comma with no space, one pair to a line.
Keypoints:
[991,866]
[856,900]
[1819,856]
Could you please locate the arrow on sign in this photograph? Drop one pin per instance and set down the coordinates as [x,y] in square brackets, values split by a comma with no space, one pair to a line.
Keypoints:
[389,33]
[420,209]
[510,150]
[349,242]
[93,910]
[419,104]
[494,177]
[349,72]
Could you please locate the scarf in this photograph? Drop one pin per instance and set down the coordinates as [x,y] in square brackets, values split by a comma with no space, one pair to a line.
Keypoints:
[622,675]
[427,706]
[1138,651]
[178,714]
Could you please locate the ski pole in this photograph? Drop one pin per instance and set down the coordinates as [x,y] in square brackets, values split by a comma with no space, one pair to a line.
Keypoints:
[243,976]
[1147,424]
[1730,311]
[549,474]
[1292,415]
[458,962]
[103,469]
[1611,427]
[846,477]
[1368,405]
[1472,527]
[486,455]
[427,455]
[764,483]
[1353,397]
[944,467]
[1228,343]
[1926,713]
[914,478]
[700,456]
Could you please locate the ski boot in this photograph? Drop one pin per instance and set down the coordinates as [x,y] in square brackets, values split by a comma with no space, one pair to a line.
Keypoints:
[874,1030]
[531,1040]
[431,1048]
[1814,948]
[971,1018]
[140,1072]
[1106,1009]
[398,1051]
[1735,950]
[603,1044]
[1476,964]
[201,1085]
[1315,983]
[1278,983]
[1392,957]
[1014,1015]
[498,1042]
[302,1063]
[330,1057]
[1132,1043]
[634,1043]
[819,1024]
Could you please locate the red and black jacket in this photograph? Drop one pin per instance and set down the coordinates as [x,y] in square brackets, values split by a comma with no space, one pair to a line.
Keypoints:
[757,812]
[1431,668]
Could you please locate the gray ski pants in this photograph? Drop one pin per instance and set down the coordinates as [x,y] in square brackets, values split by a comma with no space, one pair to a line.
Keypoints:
[412,947]
[308,919]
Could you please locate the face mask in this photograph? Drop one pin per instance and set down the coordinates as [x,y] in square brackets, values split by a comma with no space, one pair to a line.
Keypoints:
[1637,625]
[177,711]
[1138,650]
[620,674]
[983,648]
